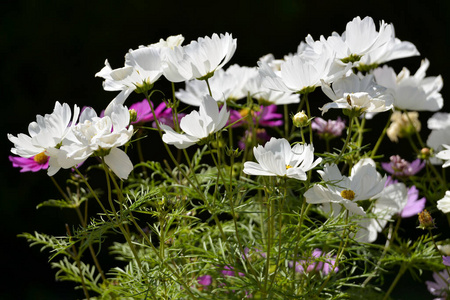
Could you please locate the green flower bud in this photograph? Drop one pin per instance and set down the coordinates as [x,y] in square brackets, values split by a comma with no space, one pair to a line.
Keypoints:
[300,119]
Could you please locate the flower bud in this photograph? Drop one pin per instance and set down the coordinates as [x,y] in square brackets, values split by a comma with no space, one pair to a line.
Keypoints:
[425,220]
[425,153]
[300,119]
[133,115]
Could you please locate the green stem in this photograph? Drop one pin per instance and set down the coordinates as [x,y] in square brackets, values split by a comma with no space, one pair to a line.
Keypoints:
[118,219]
[349,133]
[308,113]
[380,139]
[400,273]
[286,122]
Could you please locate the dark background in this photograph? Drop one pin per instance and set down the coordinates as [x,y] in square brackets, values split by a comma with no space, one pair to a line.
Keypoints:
[52,49]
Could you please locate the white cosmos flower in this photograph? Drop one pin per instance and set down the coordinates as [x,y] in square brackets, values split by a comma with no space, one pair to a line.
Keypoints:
[225,85]
[353,92]
[439,136]
[199,59]
[444,204]
[360,37]
[388,203]
[364,183]
[393,49]
[277,158]
[444,155]
[415,92]
[197,125]
[301,74]
[48,132]
[171,42]
[95,136]
[142,69]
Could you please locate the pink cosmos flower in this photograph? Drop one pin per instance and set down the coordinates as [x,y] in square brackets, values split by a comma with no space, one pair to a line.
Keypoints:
[144,113]
[266,116]
[400,167]
[205,280]
[446,260]
[32,164]
[318,262]
[229,271]
[261,137]
[328,129]
[414,205]
[440,286]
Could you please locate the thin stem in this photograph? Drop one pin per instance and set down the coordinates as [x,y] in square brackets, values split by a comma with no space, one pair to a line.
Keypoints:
[286,121]
[349,133]
[209,88]
[400,273]
[308,113]
[119,222]
[77,260]
[380,138]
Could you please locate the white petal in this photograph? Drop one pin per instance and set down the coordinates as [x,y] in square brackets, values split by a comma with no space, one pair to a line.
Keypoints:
[119,162]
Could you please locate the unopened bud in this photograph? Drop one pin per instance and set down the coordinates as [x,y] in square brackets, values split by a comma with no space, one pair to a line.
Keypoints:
[425,153]
[300,119]
[133,115]
[425,220]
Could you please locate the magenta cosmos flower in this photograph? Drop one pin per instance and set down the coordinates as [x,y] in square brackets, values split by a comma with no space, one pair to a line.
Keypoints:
[266,116]
[144,113]
[402,168]
[318,262]
[328,129]
[31,164]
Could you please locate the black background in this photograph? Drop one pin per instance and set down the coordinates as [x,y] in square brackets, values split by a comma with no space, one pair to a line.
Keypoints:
[50,51]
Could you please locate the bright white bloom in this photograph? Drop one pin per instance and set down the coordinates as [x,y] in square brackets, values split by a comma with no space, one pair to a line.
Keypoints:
[300,74]
[363,184]
[95,136]
[388,203]
[171,42]
[439,124]
[360,37]
[444,204]
[272,62]
[415,92]
[142,69]
[46,133]
[444,155]
[393,49]
[199,59]
[277,158]
[197,125]
[225,85]
[355,93]
[266,96]
[439,120]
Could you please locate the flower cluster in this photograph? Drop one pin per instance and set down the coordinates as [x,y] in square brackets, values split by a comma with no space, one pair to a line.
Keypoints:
[276,217]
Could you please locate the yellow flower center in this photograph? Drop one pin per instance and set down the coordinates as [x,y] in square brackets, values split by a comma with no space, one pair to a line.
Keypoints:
[244,112]
[348,194]
[40,158]
[288,167]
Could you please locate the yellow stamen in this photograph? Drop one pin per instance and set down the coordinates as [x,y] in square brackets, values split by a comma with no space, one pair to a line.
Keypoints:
[244,112]
[40,158]
[288,167]
[348,194]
